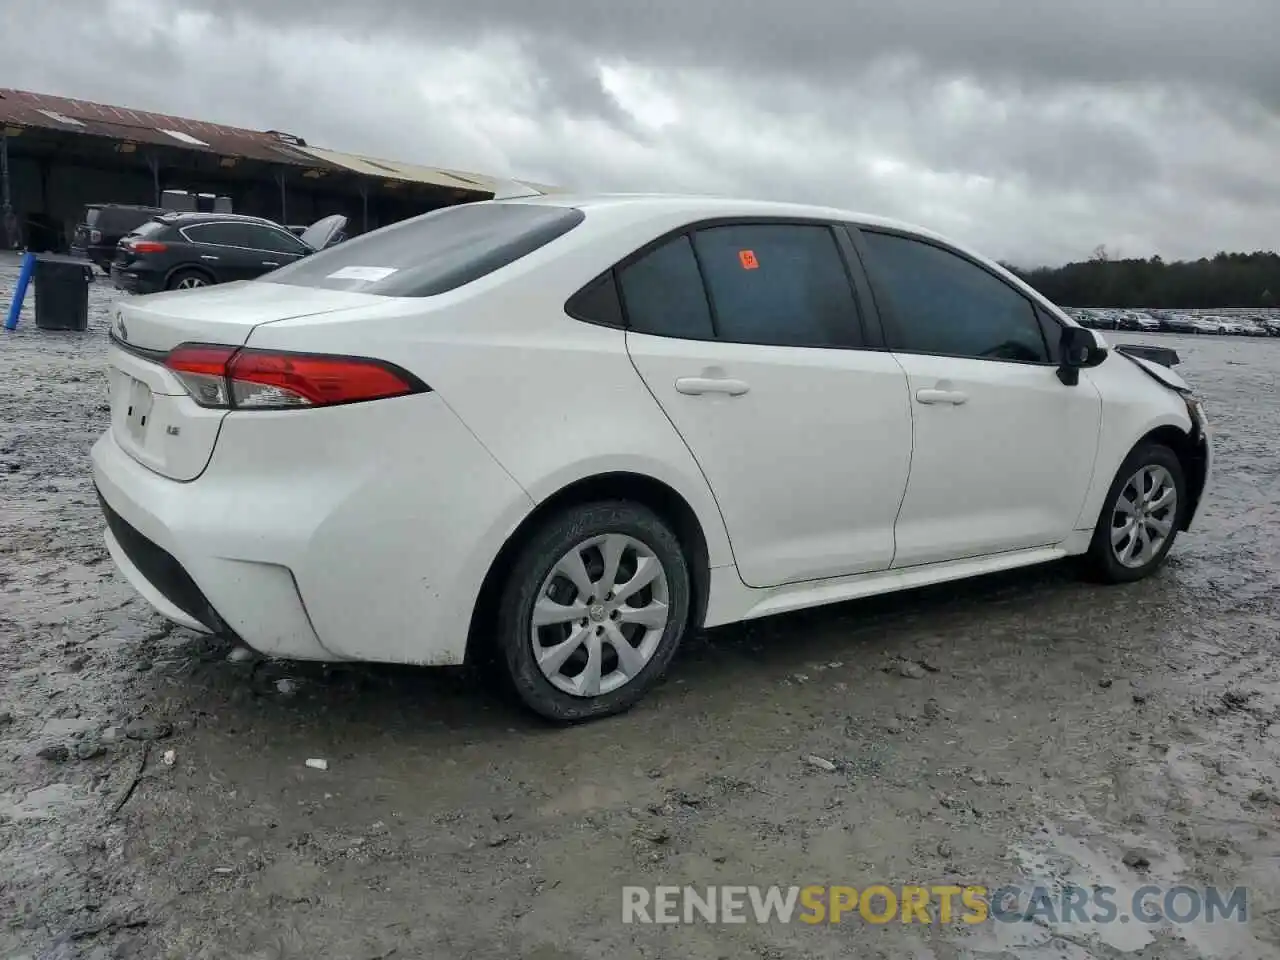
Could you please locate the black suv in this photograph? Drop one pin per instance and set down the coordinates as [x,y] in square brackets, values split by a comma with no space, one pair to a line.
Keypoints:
[178,251]
[104,226]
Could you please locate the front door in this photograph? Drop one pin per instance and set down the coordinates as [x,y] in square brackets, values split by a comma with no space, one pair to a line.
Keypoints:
[804,437]
[1003,451]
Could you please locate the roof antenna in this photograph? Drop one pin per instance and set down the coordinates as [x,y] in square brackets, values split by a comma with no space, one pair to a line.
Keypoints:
[511,189]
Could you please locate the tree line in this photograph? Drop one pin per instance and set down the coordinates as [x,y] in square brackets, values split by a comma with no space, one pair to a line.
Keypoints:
[1224,280]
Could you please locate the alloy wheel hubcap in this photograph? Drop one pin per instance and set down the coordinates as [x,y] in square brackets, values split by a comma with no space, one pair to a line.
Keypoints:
[186,283]
[599,615]
[1144,515]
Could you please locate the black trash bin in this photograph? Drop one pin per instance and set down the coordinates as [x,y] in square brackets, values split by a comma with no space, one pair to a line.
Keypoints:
[62,292]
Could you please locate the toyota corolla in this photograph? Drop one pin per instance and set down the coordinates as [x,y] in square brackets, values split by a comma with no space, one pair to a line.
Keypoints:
[561,432]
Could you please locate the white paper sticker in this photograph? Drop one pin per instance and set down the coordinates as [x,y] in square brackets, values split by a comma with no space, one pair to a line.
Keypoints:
[362,273]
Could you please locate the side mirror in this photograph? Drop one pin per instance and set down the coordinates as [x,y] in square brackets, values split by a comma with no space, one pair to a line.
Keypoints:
[1080,348]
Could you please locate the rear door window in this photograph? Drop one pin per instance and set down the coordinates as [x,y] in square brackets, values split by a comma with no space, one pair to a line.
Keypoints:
[218,234]
[435,253]
[779,284]
[662,293]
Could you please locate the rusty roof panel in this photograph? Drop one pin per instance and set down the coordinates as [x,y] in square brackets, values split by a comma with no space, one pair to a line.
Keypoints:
[37,110]
[23,108]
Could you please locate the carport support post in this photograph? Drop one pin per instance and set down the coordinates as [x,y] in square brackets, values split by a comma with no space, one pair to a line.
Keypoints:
[6,206]
[154,164]
[284,202]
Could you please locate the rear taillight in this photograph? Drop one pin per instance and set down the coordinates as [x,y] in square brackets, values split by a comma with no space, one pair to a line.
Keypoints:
[148,246]
[243,379]
[95,236]
[203,371]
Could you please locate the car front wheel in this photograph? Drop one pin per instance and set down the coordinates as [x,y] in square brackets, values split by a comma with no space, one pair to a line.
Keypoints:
[1139,520]
[594,610]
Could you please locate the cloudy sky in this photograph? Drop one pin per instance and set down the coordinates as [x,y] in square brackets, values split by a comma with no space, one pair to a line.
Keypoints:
[1034,129]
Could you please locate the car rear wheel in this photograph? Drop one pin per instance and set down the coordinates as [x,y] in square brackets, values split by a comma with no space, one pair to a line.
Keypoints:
[187,280]
[593,612]
[1140,518]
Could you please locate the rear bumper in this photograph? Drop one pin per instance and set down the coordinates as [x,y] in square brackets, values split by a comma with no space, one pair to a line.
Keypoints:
[95,253]
[135,281]
[361,532]
[159,547]
[156,575]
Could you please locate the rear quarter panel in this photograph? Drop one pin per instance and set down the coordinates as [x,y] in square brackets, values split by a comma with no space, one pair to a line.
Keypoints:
[387,513]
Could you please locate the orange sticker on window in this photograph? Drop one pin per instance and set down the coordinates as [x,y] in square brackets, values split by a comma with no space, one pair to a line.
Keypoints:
[748,259]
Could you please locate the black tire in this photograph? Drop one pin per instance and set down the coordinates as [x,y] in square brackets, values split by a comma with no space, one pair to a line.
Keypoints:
[1101,560]
[552,541]
[175,281]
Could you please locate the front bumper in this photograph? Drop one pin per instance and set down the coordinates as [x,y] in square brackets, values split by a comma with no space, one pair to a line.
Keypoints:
[1202,458]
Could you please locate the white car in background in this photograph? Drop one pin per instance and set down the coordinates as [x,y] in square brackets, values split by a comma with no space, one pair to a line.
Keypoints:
[566,430]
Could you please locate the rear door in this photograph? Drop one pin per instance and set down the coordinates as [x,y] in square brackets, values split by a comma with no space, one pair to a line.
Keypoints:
[801,428]
[241,250]
[1003,451]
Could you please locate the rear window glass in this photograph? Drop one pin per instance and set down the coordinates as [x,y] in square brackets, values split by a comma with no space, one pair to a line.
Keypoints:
[123,219]
[148,229]
[435,253]
[91,215]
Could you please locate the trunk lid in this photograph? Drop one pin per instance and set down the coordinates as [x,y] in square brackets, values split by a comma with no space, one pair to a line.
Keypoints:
[153,418]
[223,314]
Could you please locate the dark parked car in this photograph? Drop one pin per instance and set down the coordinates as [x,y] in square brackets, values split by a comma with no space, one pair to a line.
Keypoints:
[104,226]
[1178,323]
[177,251]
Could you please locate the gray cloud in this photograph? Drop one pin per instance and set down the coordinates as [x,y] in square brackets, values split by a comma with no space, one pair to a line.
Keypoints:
[1035,130]
[1227,43]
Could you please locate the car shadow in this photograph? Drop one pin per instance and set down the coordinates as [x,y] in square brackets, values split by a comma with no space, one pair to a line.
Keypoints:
[746,659]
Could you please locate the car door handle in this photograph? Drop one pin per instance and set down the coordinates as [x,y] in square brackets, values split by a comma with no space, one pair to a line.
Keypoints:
[205,256]
[270,263]
[696,386]
[953,397]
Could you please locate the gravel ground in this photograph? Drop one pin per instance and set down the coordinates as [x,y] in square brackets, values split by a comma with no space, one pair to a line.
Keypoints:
[155,799]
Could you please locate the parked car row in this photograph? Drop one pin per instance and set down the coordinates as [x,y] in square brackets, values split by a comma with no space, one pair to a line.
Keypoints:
[1171,321]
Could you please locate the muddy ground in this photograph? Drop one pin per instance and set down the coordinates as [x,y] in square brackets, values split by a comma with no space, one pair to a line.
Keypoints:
[1025,728]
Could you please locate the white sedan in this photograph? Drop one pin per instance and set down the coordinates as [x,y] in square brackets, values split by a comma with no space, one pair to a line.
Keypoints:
[560,432]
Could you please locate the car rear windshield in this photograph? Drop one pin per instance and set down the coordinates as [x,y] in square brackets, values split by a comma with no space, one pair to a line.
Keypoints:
[91,215]
[435,253]
[123,219]
[148,229]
